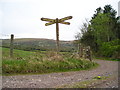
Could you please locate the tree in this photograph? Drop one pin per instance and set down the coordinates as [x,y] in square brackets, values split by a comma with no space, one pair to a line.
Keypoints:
[98,10]
[102,28]
[104,24]
[110,11]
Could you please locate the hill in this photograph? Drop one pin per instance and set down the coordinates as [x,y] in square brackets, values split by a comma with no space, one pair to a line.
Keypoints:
[38,44]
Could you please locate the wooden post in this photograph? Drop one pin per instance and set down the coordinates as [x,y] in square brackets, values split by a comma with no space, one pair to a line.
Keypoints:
[11,45]
[57,34]
[79,49]
[89,53]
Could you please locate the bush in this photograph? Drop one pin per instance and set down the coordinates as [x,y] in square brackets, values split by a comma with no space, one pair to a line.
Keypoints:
[110,49]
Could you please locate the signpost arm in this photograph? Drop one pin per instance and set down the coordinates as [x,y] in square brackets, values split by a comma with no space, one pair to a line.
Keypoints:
[57,34]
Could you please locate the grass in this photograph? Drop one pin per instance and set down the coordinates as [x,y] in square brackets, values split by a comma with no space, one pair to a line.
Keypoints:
[25,62]
[85,84]
[108,59]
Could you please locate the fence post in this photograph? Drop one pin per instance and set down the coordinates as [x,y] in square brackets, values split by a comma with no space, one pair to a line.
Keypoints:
[11,45]
[79,49]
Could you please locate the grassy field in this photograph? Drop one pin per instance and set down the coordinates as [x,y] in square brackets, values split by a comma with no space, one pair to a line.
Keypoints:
[26,62]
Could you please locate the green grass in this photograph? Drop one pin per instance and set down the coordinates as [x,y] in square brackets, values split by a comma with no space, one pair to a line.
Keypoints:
[25,62]
[17,53]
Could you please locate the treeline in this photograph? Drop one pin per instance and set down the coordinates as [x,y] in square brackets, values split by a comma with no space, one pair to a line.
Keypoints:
[102,33]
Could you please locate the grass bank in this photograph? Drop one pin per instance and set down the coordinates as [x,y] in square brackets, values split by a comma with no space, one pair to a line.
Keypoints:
[26,62]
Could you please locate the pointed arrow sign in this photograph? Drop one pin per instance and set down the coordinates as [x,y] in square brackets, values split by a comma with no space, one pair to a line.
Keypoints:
[65,18]
[47,19]
[50,23]
[65,23]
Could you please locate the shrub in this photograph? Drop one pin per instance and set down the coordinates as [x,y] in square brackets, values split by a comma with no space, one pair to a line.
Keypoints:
[110,49]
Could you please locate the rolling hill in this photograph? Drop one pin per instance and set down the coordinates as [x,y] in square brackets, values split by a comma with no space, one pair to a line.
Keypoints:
[38,44]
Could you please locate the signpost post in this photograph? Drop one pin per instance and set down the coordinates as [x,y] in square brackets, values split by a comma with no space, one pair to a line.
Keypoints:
[57,21]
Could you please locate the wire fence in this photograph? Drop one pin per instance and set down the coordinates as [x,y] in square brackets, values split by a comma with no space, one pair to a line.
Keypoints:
[6,36]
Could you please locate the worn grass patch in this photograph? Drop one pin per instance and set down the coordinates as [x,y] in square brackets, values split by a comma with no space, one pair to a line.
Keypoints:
[85,84]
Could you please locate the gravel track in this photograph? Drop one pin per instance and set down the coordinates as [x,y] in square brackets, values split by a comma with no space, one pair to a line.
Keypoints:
[53,80]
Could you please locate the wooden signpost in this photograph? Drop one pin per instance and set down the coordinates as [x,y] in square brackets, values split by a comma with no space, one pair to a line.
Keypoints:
[57,21]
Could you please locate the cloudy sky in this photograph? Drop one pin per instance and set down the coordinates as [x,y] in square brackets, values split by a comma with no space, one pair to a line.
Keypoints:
[22,17]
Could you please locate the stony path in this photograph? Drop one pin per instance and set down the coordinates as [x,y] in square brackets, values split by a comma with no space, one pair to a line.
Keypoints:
[56,79]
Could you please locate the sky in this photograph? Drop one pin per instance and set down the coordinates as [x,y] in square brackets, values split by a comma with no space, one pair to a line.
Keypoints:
[22,17]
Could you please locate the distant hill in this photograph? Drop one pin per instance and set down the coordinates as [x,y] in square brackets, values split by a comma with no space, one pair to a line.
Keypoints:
[38,44]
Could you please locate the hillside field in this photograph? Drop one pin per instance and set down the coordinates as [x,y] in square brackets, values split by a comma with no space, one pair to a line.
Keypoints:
[33,44]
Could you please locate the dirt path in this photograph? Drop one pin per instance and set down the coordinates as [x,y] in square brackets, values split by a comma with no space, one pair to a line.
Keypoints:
[56,79]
